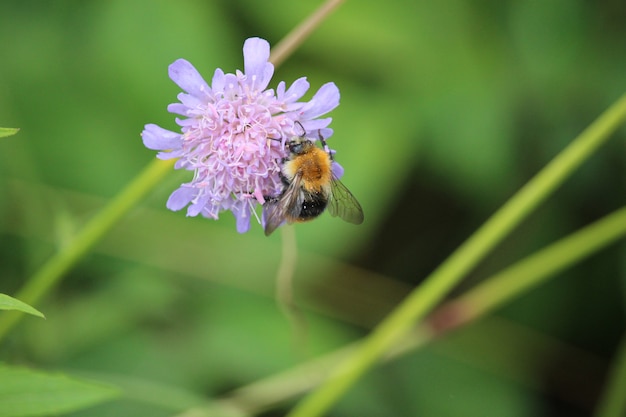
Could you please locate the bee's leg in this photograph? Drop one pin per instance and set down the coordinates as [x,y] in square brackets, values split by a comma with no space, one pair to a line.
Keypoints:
[325,145]
[271,199]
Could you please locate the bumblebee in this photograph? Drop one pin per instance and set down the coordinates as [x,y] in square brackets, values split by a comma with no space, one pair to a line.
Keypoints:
[310,188]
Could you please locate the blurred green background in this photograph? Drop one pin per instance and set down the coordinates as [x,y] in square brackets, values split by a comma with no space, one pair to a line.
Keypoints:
[447,108]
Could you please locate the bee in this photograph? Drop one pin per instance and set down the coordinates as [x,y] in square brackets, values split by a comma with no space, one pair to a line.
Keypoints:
[310,188]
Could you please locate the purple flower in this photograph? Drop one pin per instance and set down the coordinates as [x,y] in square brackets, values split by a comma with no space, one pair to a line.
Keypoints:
[234,133]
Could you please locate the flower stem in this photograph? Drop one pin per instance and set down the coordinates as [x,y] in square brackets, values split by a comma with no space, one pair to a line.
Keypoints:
[54,269]
[294,39]
[446,276]
[284,287]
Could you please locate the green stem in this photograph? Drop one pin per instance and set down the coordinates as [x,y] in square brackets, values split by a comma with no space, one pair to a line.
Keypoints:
[518,278]
[54,269]
[444,278]
[613,402]
[478,302]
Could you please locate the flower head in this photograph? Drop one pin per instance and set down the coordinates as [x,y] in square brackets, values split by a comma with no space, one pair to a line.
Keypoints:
[233,133]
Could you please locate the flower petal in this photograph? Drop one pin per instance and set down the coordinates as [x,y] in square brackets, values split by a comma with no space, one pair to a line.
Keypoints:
[178,108]
[188,78]
[256,65]
[155,137]
[218,80]
[326,99]
[337,170]
[231,88]
[200,206]
[164,156]
[311,126]
[190,101]
[180,198]
[295,91]
[241,211]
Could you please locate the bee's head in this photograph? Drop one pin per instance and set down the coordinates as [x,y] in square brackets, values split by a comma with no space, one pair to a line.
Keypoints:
[299,145]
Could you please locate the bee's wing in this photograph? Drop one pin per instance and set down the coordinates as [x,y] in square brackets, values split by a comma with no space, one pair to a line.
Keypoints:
[279,210]
[343,204]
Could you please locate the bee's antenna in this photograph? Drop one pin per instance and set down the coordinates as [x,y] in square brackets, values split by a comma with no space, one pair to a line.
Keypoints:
[279,139]
[297,122]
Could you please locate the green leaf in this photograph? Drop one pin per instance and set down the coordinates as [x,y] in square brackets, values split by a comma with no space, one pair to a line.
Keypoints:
[28,393]
[7,131]
[10,303]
